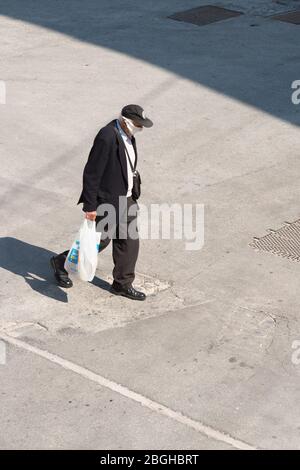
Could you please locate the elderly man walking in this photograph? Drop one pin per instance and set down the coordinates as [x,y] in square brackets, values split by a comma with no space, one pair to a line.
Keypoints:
[110,179]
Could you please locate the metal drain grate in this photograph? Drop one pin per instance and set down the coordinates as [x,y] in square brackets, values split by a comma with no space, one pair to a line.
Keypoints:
[283,242]
[291,17]
[202,16]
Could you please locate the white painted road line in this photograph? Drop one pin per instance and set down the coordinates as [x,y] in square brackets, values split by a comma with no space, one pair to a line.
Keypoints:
[125,392]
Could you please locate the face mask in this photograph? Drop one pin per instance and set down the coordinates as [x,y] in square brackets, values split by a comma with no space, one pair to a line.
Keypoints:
[131,127]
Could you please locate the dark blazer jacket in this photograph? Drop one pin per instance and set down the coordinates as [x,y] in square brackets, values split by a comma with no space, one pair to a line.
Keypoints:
[105,173]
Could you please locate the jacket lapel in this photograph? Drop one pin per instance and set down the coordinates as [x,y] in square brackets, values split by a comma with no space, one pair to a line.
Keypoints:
[121,151]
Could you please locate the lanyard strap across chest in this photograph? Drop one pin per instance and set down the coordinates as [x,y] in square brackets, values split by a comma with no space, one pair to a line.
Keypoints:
[120,139]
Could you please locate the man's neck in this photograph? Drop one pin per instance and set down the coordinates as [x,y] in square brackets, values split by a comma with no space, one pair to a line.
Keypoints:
[124,127]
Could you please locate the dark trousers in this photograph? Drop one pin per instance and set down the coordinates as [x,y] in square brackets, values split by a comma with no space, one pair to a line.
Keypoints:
[125,248]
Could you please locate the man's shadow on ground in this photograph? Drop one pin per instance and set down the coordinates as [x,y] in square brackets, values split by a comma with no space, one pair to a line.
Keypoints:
[33,264]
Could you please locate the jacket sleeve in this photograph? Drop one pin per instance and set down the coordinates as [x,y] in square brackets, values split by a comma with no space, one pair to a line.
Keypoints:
[93,172]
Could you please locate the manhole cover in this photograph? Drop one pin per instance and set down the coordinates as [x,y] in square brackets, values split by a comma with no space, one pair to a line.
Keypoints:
[283,242]
[204,15]
[291,17]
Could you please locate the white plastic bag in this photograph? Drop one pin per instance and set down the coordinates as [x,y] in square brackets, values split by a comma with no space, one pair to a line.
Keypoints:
[82,258]
[88,252]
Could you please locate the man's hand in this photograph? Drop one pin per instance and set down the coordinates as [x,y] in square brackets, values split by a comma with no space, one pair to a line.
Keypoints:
[91,215]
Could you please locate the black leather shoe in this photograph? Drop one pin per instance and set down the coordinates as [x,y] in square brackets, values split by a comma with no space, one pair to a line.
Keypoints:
[61,275]
[129,292]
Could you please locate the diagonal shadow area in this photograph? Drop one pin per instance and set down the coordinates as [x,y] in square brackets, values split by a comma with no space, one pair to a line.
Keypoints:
[255,65]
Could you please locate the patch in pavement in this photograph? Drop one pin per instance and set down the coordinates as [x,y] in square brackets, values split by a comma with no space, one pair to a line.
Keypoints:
[109,311]
[283,242]
[204,15]
[290,17]
[18,329]
[90,307]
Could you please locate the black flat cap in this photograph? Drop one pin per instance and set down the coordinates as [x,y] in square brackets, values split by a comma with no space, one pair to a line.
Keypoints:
[137,114]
